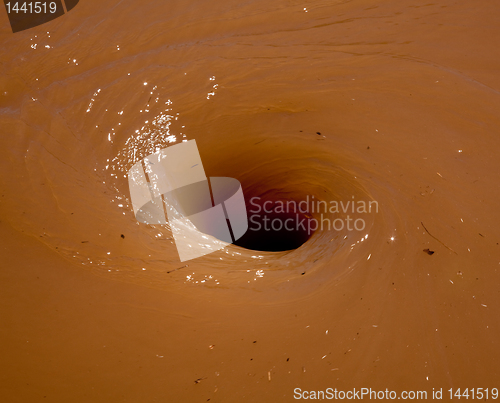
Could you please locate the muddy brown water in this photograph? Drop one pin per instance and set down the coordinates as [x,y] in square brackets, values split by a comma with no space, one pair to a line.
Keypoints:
[405,98]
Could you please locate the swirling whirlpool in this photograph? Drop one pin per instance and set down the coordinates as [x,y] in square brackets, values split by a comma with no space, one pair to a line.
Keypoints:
[292,118]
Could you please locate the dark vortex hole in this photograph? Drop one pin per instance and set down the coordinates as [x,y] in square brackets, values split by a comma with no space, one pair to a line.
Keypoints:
[275,225]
